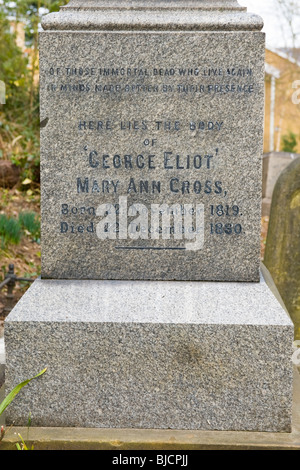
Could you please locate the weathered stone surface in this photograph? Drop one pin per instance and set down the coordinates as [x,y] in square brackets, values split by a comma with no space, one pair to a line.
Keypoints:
[273,165]
[61,438]
[282,255]
[58,438]
[185,355]
[153,15]
[185,107]
[131,119]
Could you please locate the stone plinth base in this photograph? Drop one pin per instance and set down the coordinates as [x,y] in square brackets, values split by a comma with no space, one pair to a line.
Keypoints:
[177,355]
[56,438]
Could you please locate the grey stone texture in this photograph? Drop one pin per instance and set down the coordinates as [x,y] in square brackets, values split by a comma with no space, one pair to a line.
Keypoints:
[104,96]
[153,15]
[282,255]
[151,354]
[178,355]
[273,165]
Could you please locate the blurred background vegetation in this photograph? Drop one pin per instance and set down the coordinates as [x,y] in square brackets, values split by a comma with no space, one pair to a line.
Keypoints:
[19,137]
[19,117]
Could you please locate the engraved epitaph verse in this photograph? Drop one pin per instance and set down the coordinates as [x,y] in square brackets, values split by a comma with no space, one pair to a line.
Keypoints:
[150,155]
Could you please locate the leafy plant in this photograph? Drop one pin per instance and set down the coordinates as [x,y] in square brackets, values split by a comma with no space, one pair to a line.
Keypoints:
[30,221]
[13,68]
[19,117]
[23,445]
[10,230]
[289,143]
[7,401]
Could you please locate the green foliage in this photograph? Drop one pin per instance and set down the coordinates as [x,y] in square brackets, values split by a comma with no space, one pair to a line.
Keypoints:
[30,222]
[20,145]
[30,12]
[19,117]
[289,143]
[13,69]
[7,401]
[23,445]
[10,230]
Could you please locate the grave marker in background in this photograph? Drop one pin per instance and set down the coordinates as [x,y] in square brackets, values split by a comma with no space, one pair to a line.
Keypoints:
[282,255]
[273,165]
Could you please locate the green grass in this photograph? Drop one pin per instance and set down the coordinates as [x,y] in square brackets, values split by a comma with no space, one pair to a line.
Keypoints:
[30,221]
[11,229]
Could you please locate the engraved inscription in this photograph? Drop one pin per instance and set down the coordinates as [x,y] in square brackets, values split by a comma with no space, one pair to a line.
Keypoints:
[154,140]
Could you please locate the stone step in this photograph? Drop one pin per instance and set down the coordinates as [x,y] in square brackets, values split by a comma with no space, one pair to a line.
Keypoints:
[59,438]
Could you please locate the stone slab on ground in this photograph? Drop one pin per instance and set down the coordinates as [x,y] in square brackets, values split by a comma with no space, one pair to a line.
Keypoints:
[178,355]
[158,439]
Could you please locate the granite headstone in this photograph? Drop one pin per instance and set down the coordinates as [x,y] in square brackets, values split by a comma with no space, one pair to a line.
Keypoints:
[151,141]
[152,118]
